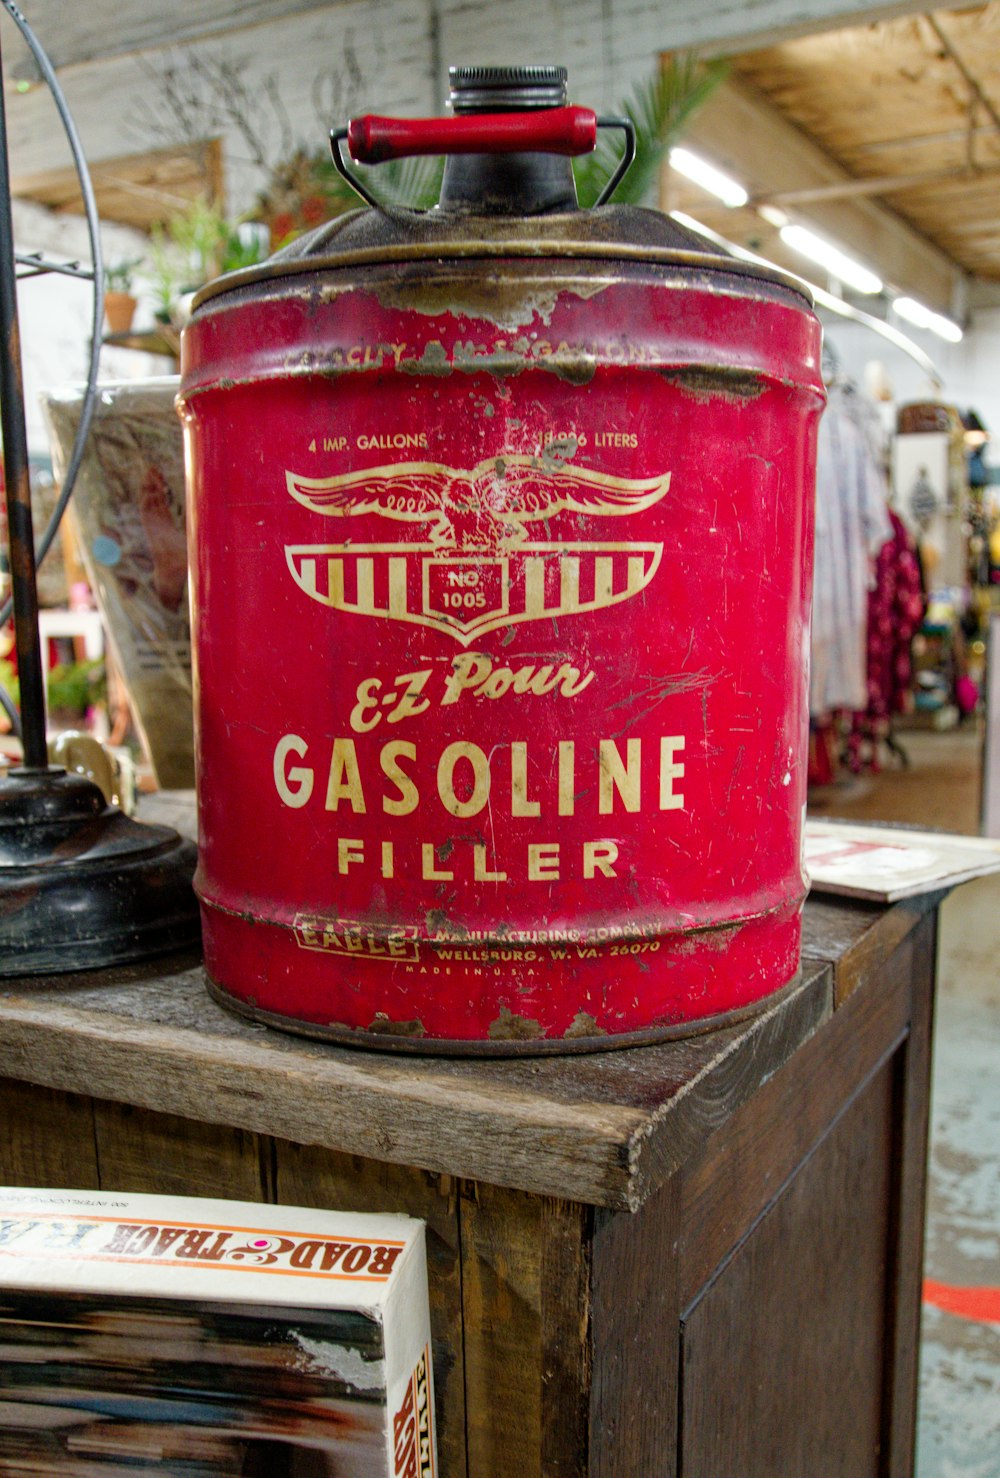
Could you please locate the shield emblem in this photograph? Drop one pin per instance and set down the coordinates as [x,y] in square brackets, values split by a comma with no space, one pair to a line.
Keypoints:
[479,570]
[466,597]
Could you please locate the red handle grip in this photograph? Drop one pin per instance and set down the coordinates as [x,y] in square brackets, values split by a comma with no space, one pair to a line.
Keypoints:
[569,131]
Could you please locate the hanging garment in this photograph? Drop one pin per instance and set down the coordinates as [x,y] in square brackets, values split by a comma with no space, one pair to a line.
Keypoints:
[852,524]
[895,611]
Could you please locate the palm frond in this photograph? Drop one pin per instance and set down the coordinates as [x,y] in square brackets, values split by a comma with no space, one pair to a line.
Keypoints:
[660,109]
[413,182]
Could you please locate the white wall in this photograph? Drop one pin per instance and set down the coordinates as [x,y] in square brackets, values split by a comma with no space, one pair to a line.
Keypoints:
[970,371]
[55,312]
[118,103]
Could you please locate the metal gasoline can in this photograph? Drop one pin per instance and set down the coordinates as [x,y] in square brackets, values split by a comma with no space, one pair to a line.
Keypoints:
[501,527]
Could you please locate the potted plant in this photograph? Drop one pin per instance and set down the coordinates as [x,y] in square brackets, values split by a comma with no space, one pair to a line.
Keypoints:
[165,276]
[119,303]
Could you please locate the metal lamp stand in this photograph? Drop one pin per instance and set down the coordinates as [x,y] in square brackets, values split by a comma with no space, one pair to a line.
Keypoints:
[81,884]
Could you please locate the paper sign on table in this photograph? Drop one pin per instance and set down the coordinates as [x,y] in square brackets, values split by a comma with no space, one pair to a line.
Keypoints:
[886,863]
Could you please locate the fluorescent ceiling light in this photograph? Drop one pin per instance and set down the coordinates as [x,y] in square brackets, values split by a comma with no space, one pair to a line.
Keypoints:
[773,215]
[836,262]
[698,170]
[922,317]
[827,300]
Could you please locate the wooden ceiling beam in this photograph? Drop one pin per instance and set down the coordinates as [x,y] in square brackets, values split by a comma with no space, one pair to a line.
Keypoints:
[977,96]
[743,133]
[923,140]
[729,27]
[888,184]
[74,35]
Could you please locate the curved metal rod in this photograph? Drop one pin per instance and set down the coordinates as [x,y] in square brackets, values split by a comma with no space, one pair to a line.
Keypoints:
[337,137]
[93,229]
[624,164]
[822,298]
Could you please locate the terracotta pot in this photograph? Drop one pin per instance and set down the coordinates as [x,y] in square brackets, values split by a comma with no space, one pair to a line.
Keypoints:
[119,310]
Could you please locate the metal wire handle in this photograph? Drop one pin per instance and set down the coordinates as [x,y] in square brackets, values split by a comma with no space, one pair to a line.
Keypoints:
[35,268]
[452,135]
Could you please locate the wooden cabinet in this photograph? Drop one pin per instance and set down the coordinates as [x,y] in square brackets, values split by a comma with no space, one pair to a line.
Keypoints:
[699,1259]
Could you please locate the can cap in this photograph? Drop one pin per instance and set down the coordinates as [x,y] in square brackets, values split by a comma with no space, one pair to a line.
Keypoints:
[506,89]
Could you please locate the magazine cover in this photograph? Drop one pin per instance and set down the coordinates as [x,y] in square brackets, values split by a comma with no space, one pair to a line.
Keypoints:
[173,1335]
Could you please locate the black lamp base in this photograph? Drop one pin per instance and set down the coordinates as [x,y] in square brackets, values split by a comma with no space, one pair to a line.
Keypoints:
[81,884]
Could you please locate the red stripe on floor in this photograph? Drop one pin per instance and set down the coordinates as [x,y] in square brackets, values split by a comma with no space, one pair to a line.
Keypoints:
[982,1304]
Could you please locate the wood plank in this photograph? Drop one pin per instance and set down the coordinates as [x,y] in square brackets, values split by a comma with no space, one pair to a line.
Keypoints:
[47,1139]
[783,1351]
[307,1175]
[711,1090]
[853,938]
[176,808]
[763,1144]
[634,1340]
[441,1116]
[525,1286]
[602,1128]
[909,1158]
[136,190]
[173,1156]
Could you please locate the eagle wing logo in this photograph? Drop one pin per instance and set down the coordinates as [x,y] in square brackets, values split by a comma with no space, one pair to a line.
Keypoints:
[487,507]
[479,566]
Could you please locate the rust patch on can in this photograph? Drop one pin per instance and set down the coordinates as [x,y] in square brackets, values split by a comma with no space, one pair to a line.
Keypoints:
[438,922]
[575,366]
[575,369]
[508,302]
[723,383]
[382,1026]
[584,1025]
[433,361]
[511,1028]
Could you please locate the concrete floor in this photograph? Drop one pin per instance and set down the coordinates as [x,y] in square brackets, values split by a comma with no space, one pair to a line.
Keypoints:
[959,1419]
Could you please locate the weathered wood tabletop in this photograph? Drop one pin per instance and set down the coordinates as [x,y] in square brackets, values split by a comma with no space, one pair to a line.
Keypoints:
[605,1129]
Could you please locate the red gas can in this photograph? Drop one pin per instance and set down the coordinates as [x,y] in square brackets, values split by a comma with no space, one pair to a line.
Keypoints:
[501,523]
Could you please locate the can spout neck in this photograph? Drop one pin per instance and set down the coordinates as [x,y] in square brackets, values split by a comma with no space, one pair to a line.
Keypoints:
[507,184]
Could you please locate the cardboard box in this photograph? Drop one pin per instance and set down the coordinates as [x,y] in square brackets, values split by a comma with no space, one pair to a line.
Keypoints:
[173,1335]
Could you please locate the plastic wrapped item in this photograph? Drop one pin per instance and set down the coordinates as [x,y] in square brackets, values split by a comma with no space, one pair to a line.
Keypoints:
[173,1335]
[128,507]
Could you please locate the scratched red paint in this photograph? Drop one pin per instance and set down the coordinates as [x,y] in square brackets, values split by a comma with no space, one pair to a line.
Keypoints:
[500,644]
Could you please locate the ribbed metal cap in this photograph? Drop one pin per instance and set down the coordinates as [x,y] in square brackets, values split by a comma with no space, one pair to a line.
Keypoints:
[506,89]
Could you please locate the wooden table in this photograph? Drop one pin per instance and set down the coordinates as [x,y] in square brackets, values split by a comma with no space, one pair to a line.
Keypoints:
[702,1257]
